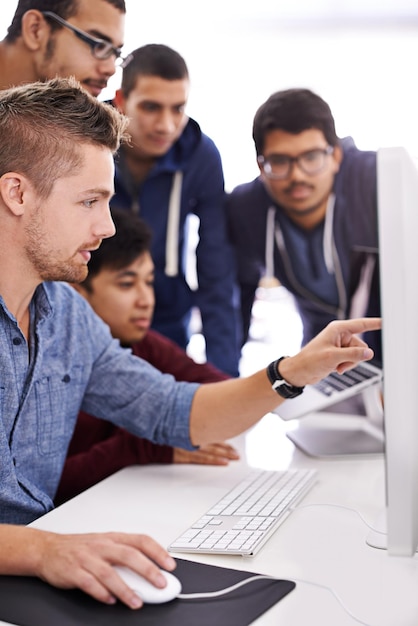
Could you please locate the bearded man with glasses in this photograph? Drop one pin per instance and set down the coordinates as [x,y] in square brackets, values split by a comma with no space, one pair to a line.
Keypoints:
[48,38]
[309,220]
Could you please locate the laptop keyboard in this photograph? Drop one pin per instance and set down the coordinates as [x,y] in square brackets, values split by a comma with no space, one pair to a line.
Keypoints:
[340,382]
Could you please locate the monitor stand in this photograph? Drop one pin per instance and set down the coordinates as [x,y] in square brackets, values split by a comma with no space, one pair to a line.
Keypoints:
[378,537]
[350,428]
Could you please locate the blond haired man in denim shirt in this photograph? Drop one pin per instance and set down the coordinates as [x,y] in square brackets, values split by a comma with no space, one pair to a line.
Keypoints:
[57,356]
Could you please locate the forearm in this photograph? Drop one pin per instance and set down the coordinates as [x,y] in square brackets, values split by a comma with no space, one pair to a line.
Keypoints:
[223,410]
[20,550]
[83,561]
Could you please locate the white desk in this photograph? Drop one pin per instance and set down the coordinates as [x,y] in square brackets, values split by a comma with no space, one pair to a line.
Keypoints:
[321,544]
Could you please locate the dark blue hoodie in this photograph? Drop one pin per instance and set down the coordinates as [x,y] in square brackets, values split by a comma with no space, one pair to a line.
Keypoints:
[344,246]
[187,180]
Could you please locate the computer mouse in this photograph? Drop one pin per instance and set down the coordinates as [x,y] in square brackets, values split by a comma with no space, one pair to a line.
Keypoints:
[146,590]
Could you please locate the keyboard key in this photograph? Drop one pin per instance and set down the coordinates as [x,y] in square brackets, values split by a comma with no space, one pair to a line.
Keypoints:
[339,382]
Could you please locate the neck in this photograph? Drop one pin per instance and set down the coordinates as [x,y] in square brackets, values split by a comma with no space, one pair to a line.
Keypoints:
[18,307]
[16,65]
[24,323]
[312,216]
[18,280]
[138,166]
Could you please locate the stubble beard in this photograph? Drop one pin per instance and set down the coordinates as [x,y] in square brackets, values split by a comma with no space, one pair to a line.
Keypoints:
[44,260]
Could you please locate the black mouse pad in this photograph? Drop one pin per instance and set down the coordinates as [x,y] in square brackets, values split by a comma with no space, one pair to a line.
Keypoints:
[29,601]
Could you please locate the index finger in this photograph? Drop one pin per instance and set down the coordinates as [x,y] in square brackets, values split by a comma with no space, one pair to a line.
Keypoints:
[147,546]
[361,324]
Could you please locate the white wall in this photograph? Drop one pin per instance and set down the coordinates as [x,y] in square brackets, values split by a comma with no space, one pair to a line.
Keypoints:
[360,56]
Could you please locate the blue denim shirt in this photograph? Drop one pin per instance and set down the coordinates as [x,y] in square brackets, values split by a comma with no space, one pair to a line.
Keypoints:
[71,363]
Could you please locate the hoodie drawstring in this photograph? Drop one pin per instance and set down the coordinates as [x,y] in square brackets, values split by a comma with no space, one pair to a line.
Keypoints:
[274,235]
[173,221]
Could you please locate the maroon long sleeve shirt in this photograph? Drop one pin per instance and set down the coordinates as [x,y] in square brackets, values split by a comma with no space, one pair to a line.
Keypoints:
[99,448]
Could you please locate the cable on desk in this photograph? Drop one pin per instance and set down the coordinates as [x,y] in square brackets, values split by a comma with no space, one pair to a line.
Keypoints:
[339,506]
[226,590]
[336,596]
[223,592]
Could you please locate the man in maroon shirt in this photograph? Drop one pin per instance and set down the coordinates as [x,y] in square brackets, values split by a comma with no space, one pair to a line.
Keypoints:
[119,287]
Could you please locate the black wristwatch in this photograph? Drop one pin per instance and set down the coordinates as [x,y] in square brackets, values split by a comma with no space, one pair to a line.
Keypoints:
[278,383]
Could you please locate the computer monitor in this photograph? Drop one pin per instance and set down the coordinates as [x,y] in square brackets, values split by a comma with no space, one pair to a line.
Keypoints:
[398,257]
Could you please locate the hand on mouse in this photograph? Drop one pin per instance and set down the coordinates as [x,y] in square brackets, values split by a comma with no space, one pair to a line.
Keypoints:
[85,561]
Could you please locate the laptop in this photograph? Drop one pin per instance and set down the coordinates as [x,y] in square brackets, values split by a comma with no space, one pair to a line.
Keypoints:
[330,390]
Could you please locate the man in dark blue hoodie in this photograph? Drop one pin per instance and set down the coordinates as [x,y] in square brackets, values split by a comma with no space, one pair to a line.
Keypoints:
[170,171]
[310,218]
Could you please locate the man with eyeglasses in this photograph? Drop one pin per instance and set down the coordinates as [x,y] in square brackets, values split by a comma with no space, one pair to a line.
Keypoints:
[48,38]
[309,220]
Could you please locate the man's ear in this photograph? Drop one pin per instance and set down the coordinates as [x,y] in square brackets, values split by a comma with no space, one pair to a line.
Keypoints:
[15,191]
[35,30]
[119,100]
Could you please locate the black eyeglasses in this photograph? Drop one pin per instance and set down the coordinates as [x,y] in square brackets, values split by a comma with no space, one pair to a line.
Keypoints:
[100,48]
[279,166]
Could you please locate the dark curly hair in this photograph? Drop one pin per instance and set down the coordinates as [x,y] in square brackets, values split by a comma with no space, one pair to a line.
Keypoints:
[293,111]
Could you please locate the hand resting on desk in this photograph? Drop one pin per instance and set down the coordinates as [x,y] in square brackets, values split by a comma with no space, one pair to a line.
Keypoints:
[211,454]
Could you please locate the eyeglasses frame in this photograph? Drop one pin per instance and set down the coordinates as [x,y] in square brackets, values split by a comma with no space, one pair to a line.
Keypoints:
[88,39]
[263,162]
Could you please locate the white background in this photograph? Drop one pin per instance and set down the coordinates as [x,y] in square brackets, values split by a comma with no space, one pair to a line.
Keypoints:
[360,56]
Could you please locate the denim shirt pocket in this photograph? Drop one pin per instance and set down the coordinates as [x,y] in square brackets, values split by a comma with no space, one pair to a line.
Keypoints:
[58,399]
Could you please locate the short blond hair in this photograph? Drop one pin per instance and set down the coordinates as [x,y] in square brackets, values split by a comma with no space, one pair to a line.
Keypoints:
[42,125]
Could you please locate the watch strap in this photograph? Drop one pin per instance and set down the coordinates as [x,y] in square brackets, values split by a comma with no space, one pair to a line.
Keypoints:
[279,384]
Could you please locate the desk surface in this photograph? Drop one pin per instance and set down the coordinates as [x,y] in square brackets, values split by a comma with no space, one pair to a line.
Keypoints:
[325,545]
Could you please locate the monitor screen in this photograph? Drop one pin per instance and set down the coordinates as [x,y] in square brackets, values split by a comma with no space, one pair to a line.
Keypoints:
[398,257]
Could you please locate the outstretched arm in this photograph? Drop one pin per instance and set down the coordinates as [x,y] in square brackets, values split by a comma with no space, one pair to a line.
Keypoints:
[223,410]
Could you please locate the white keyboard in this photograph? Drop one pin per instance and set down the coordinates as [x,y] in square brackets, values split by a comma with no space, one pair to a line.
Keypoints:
[246,516]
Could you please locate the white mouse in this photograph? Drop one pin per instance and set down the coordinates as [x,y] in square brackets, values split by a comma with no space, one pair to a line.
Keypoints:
[147,591]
